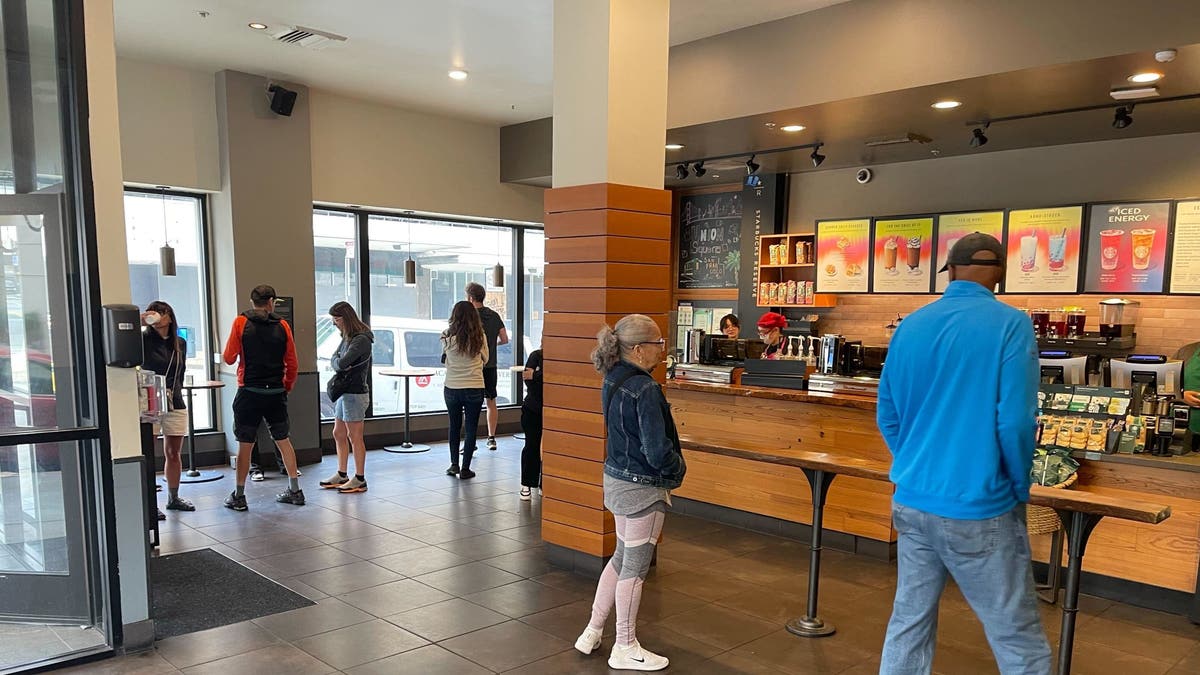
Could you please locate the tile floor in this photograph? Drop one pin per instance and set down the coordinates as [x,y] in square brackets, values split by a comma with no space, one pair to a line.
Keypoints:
[426,574]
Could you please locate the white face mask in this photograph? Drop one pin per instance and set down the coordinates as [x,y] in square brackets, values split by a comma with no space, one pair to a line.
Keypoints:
[152,318]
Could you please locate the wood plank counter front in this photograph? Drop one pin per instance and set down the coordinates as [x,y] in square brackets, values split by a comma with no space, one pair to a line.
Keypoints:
[779,421]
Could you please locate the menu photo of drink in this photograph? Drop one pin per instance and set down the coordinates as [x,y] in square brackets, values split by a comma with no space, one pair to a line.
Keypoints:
[954,226]
[1185,249]
[1127,247]
[1043,250]
[903,255]
[843,255]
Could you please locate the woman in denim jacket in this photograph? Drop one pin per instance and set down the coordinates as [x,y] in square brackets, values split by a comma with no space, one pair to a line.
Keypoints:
[643,465]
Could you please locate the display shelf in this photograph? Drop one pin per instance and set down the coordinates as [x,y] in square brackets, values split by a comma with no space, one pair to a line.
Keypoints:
[768,267]
[787,268]
[819,300]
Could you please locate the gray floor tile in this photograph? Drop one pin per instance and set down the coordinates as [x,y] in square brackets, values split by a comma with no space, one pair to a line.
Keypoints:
[328,614]
[440,533]
[280,658]
[571,661]
[143,663]
[359,644]
[522,598]
[447,619]
[379,545]
[506,646]
[349,528]
[495,521]
[530,562]
[302,588]
[270,543]
[427,660]
[483,546]
[309,560]
[470,578]
[420,561]
[395,597]
[348,578]
[193,649]
[718,626]
[528,534]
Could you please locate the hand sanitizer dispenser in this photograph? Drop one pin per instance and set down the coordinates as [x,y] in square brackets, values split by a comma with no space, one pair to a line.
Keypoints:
[122,336]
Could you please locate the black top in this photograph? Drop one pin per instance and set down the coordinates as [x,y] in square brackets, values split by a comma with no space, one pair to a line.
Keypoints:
[166,358]
[533,386]
[264,347]
[492,325]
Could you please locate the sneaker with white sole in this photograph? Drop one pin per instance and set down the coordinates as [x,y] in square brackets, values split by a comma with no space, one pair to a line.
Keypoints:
[589,640]
[526,494]
[353,485]
[634,657]
[334,482]
[256,475]
[491,443]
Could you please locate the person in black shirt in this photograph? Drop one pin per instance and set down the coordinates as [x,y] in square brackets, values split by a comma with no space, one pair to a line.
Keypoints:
[531,425]
[497,334]
[165,352]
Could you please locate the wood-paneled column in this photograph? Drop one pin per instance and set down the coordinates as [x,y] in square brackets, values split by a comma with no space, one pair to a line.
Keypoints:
[607,255]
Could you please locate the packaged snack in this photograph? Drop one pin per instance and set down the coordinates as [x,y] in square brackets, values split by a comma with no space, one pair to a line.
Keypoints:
[1079,434]
[769,298]
[1098,404]
[1079,403]
[764,292]
[1062,401]
[808,292]
[791,291]
[800,257]
[1097,435]
[1118,406]
[773,251]
[781,294]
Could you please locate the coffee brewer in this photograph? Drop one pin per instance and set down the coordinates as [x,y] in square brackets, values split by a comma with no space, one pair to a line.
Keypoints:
[830,360]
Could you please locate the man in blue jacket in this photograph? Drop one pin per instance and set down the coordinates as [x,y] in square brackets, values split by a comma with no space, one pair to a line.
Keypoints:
[957,407]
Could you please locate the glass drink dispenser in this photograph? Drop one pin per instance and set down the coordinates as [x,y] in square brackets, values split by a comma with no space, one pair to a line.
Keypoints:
[152,395]
[1118,317]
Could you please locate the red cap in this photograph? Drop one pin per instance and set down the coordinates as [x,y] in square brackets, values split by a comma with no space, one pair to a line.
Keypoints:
[772,320]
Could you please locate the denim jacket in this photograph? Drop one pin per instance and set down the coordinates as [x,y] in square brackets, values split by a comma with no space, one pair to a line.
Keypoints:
[642,445]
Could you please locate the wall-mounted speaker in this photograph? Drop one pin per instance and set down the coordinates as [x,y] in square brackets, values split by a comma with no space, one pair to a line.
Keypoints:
[282,100]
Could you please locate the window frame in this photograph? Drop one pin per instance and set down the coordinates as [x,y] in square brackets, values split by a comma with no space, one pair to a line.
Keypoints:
[207,299]
[362,244]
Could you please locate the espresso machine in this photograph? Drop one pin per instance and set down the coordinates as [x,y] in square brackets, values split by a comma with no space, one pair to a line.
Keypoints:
[839,364]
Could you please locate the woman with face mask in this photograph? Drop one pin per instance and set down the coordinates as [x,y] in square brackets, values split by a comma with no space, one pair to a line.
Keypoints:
[770,331]
[643,464]
[165,352]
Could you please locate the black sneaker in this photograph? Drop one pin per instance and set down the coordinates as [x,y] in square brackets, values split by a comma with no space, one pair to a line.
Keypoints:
[291,497]
[236,502]
[161,515]
[453,470]
[491,444]
[180,504]
[466,474]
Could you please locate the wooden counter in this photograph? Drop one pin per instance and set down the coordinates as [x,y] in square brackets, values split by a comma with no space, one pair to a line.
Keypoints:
[779,420]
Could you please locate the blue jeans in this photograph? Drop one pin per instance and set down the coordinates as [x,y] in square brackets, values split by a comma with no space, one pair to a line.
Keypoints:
[990,561]
[463,403]
[351,407]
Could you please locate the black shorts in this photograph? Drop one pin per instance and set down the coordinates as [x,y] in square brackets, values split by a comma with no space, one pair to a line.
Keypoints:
[489,384]
[250,408]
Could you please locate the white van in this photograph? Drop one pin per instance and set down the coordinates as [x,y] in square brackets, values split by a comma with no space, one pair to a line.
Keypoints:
[407,344]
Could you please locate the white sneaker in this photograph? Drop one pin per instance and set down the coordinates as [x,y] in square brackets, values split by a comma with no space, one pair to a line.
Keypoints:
[589,640]
[634,657]
[526,494]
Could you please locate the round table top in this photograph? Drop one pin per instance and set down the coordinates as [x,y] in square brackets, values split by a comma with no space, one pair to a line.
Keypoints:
[410,372]
[207,384]
[517,369]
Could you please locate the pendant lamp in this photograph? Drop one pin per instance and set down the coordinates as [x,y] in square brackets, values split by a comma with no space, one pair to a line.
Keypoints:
[498,270]
[410,265]
[166,254]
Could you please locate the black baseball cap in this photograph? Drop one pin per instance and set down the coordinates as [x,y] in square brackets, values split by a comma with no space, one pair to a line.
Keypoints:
[262,293]
[965,249]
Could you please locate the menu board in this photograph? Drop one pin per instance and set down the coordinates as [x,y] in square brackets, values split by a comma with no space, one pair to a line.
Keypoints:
[843,255]
[954,226]
[710,238]
[903,255]
[1043,250]
[1127,247]
[1185,251]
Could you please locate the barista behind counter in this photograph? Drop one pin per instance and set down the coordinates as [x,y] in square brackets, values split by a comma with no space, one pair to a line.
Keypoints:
[770,331]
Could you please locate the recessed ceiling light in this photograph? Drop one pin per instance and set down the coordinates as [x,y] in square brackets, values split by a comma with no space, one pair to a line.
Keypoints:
[258,26]
[674,146]
[947,105]
[716,175]
[769,125]
[458,74]
[1144,78]
[793,127]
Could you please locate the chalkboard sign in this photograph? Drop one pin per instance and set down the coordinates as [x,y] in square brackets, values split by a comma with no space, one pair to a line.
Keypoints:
[710,237]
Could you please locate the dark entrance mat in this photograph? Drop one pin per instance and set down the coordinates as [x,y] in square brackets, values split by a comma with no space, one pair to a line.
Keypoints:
[203,589]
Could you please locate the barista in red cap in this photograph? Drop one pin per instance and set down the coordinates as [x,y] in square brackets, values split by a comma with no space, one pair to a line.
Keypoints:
[770,331]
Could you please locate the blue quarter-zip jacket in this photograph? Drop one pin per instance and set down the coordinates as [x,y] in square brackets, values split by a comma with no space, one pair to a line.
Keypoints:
[958,405]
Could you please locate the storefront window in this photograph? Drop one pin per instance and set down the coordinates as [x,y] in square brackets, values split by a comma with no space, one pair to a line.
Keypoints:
[534,269]
[150,219]
[335,242]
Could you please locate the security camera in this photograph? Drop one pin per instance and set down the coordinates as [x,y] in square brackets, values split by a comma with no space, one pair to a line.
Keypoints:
[863,176]
[1165,55]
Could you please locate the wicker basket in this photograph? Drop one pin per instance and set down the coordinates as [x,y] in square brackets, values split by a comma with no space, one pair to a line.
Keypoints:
[1043,519]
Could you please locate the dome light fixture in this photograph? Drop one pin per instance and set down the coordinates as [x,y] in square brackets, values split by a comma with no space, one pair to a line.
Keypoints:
[792,128]
[674,146]
[946,104]
[257,26]
[1145,78]
[458,74]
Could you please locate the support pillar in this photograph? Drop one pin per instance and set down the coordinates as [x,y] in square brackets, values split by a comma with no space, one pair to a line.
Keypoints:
[608,243]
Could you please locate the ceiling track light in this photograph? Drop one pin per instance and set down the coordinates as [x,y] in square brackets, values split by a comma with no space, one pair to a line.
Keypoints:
[681,172]
[1123,117]
[751,166]
[698,169]
[816,157]
[978,139]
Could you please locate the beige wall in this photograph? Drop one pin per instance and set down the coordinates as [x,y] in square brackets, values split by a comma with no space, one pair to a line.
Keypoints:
[1140,168]
[363,153]
[104,131]
[871,46]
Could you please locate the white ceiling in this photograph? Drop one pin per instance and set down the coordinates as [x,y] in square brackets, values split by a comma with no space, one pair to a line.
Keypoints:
[399,51]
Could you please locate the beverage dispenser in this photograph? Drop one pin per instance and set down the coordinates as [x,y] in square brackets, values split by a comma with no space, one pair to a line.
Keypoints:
[1118,317]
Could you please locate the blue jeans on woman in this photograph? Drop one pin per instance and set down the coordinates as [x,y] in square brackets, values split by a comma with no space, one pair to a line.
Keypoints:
[463,403]
[989,560]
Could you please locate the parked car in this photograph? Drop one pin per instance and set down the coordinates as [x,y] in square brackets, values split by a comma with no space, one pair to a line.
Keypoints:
[30,403]
[407,344]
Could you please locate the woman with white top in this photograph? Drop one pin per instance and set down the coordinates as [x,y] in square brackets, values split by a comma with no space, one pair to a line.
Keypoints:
[465,352]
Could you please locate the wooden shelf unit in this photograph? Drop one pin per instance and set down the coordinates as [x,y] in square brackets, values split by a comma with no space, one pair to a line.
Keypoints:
[788,269]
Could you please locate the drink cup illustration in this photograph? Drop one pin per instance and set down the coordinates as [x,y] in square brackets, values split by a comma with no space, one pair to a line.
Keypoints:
[1029,244]
[1110,248]
[889,255]
[913,252]
[1057,250]
[1143,244]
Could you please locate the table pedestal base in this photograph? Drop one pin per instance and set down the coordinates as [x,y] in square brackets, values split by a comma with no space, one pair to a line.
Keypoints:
[197,476]
[407,448]
[810,627]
